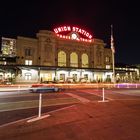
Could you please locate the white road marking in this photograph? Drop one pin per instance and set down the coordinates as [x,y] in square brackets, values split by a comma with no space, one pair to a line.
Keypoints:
[84,100]
[38,118]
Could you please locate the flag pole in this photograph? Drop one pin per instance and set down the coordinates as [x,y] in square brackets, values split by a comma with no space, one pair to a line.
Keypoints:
[113,55]
[113,63]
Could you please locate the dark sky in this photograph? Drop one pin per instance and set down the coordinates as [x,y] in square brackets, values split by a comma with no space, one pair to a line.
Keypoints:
[26,17]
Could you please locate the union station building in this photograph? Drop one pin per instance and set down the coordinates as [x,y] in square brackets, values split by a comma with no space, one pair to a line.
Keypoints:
[67,54]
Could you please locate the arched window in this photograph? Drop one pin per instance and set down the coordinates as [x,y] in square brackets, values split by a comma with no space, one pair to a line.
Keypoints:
[73,59]
[61,58]
[99,57]
[85,62]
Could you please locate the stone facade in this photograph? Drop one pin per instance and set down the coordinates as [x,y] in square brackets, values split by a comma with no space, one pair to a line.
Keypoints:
[24,43]
[44,50]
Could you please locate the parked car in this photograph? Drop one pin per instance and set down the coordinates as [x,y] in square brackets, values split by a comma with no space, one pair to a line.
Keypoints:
[43,89]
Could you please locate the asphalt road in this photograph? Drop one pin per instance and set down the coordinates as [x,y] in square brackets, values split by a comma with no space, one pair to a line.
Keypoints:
[15,115]
[15,106]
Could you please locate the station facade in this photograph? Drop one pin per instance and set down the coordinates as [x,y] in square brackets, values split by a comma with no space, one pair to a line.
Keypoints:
[67,54]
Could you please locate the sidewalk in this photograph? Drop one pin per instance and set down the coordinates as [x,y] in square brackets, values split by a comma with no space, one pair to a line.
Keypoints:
[92,121]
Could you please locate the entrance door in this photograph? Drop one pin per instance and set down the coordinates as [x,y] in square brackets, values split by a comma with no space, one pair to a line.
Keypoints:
[62,77]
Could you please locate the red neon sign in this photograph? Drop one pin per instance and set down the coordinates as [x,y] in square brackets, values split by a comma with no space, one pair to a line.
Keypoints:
[73,36]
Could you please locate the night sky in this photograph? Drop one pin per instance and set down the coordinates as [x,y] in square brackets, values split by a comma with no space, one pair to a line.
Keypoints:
[26,18]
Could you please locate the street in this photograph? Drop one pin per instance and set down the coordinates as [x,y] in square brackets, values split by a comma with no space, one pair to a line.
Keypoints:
[16,108]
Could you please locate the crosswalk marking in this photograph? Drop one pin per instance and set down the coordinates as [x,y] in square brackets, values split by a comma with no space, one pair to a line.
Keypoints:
[84,100]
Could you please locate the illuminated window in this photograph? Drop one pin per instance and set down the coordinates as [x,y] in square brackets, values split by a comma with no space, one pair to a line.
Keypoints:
[8,46]
[73,59]
[28,62]
[108,66]
[84,60]
[47,77]
[107,59]
[61,58]
[28,76]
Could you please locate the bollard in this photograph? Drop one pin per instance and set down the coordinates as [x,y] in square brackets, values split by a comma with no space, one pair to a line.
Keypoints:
[103,99]
[103,94]
[39,112]
[40,104]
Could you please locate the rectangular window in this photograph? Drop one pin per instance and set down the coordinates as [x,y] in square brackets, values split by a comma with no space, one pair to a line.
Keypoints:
[28,62]
[107,59]
[47,77]
[108,66]
[28,52]
[28,76]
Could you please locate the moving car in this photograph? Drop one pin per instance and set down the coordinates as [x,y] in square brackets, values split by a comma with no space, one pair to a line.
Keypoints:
[43,88]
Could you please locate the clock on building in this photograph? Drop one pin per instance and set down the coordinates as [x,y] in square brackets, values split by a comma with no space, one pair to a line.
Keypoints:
[74,36]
